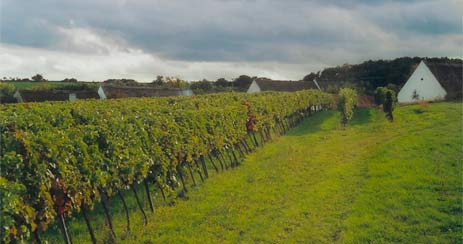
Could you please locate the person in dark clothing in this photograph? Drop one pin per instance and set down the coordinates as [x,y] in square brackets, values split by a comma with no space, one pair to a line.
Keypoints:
[388,106]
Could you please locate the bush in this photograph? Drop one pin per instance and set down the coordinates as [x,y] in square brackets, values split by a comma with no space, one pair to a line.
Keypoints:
[222,82]
[243,82]
[203,85]
[7,91]
[348,99]
[387,98]
[73,80]
[380,95]
[38,78]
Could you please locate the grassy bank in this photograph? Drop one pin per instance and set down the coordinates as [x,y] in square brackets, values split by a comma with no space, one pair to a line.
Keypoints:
[26,85]
[374,181]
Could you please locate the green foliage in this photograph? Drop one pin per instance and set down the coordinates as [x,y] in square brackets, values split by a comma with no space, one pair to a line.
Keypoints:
[201,86]
[168,82]
[393,87]
[43,86]
[222,82]
[7,91]
[347,102]
[122,82]
[375,182]
[310,77]
[72,80]
[376,73]
[380,95]
[14,79]
[38,78]
[332,89]
[66,86]
[29,85]
[16,217]
[205,87]
[159,81]
[387,98]
[174,82]
[242,83]
[66,155]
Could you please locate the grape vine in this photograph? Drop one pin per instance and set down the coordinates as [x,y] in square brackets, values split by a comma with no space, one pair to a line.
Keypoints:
[348,99]
[61,158]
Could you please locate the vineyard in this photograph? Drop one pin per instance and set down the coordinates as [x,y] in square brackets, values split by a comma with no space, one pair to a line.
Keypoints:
[59,159]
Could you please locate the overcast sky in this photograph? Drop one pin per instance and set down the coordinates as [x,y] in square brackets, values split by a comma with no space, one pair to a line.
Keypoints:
[195,39]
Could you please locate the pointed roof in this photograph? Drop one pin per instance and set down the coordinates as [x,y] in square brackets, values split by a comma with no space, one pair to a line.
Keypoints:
[285,86]
[450,76]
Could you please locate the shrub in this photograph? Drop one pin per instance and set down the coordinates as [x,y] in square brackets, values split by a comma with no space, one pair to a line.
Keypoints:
[7,91]
[347,102]
[38,78]
[203,85]
[387,98]
[380,95]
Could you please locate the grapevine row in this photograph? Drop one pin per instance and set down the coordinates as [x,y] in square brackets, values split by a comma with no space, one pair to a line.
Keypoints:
[347,101]
[61,158]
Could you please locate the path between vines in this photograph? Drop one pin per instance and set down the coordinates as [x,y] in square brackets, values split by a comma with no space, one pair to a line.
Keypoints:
[322,184]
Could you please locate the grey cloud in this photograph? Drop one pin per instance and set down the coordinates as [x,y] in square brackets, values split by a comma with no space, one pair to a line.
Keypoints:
[293,32]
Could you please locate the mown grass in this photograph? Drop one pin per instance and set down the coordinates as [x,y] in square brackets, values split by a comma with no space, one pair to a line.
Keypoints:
[26,85]
[372,182]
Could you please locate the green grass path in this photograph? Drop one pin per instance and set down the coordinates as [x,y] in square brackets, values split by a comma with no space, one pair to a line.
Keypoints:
[373,182]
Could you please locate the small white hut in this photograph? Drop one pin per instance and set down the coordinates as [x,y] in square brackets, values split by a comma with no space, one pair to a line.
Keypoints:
[430,82]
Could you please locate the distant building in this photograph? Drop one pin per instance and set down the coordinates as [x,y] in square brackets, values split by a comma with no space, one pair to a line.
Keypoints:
[105,92]
[53,95]
[431,82]
[261,85]
[102,93]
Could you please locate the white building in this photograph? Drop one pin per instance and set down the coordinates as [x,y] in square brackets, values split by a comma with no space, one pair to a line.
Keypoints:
[430,82]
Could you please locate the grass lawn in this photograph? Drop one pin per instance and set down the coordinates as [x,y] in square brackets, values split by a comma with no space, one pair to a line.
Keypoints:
[29,85]
[20,85]
[373,182]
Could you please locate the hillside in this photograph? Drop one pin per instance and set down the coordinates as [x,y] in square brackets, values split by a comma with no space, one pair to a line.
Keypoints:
[374,181]
[371,74]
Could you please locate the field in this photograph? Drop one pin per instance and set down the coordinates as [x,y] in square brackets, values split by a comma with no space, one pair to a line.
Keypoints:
[372,182]
[49,84]
[30,85]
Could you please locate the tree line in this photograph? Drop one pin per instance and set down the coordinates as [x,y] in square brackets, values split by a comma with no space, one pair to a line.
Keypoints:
[369,75]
